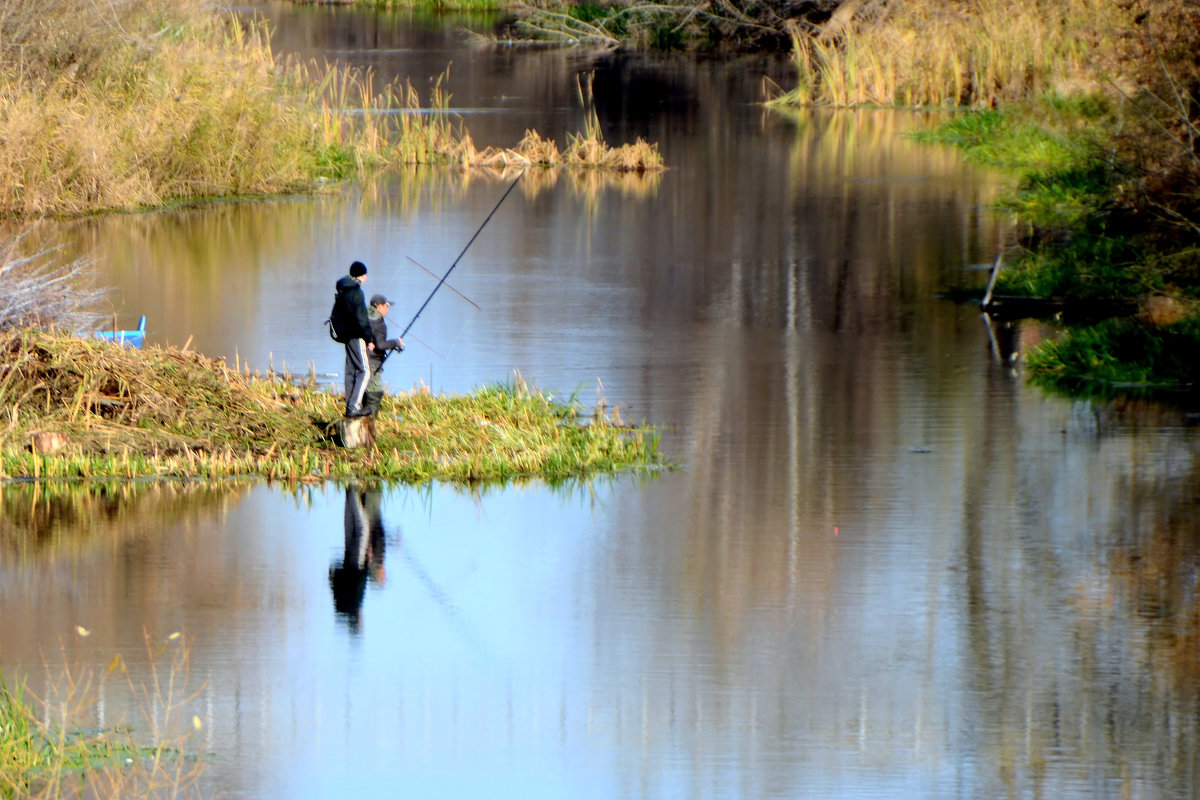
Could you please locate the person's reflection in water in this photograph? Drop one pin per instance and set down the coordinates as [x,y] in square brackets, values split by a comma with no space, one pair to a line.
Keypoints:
[363,557]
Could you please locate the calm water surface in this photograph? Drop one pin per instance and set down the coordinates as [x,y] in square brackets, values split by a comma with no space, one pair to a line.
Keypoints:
[886,568]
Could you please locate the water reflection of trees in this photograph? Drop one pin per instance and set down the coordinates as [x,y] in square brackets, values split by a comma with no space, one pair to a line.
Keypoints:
[1048,550]
[54,521]
[1079,559]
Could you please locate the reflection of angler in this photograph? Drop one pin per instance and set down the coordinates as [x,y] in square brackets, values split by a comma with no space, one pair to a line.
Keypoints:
[363,556]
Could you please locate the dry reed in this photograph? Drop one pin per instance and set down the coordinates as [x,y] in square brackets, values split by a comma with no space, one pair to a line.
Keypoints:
[160,103]
[975,54]
[48,749]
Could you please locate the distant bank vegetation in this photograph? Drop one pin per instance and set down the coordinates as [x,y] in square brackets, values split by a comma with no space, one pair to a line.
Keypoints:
[146,103]
[668,25]
[1095,105]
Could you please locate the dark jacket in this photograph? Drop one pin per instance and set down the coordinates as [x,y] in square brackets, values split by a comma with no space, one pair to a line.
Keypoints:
[379,336]
[352,308]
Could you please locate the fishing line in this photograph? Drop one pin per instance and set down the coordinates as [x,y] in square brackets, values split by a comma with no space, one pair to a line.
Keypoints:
[464,252]
[448,286]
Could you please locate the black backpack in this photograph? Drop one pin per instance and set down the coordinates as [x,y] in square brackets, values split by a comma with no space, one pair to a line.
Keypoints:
[338,323]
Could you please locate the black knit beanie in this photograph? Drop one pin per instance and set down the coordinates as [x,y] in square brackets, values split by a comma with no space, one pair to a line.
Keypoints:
[358,268]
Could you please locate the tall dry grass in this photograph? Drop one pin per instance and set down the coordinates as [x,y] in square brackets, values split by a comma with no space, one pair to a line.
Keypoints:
[139,103]
[128,104]
[395,126]
[973,53]
[48,749]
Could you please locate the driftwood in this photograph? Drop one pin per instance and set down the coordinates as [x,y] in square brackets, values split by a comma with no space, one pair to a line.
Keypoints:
[37,291]
[1015,306]
[987,295]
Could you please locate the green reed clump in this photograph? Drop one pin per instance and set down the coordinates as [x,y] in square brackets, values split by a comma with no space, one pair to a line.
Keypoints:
[1060,149]
[1007,139]
[40,759]
[165,412]
[508,430]
[1121,357]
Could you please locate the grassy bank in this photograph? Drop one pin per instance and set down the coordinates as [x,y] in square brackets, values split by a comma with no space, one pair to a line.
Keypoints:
[1121,357]
[165,412]
[145,103]
[1093,108]
[1096,231]
[731,25]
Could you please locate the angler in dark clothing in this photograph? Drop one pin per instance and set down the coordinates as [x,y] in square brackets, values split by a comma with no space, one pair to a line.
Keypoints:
[383,347]
[354,327]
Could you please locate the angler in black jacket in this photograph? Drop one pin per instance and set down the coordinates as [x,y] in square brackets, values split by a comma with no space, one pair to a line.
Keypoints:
[354,327]
[383,347]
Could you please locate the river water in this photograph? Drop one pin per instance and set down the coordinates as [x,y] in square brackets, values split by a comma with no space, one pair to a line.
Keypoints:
[885,566]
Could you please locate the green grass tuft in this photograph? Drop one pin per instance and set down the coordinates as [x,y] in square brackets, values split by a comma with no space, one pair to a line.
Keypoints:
[1120,357]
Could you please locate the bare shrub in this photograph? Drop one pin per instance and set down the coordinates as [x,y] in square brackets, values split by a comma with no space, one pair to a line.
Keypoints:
[40,291]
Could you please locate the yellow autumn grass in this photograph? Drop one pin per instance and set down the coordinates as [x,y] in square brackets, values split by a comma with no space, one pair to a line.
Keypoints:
[973,53]
[150,103]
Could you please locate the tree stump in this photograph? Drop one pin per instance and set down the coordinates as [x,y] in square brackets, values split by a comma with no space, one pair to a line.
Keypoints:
[47,441]
[357,431]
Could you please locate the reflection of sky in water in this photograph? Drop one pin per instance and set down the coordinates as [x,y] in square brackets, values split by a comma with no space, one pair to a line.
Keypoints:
[634,639]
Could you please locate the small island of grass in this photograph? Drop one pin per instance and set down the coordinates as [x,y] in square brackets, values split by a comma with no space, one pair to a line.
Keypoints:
[79,408]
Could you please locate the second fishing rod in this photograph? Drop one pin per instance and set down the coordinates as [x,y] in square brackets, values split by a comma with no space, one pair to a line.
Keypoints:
[479,230]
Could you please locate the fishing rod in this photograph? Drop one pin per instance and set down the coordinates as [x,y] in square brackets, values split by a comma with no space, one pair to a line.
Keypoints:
[460,255]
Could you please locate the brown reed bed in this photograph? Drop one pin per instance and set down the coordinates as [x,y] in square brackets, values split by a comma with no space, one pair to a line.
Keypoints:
[973,54]
[78,408]
[148,103]
[140,104]
[417,136]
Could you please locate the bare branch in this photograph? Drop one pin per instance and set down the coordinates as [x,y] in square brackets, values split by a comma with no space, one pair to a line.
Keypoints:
[40,292]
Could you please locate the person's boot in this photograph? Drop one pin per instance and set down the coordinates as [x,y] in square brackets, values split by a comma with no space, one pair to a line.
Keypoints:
[371,401]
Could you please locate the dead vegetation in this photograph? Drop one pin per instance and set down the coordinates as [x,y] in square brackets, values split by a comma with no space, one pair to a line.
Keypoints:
[39,290]
[138,104]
